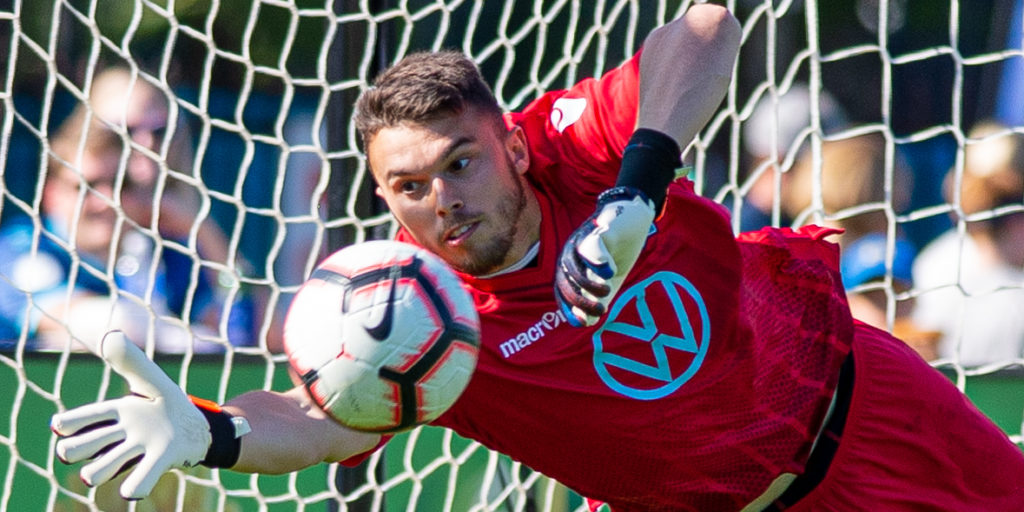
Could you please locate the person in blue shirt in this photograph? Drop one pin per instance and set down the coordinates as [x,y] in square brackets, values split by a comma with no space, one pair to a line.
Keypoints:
[79,265]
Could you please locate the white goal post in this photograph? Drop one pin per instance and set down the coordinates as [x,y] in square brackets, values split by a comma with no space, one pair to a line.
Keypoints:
[234,169]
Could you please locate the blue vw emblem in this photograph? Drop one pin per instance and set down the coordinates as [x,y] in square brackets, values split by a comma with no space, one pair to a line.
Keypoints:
[677,344]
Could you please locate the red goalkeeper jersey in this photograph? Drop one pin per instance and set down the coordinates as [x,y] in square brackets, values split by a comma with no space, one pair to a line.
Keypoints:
[714,366]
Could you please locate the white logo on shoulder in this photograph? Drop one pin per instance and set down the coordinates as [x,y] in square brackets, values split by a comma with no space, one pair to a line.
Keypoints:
[567,111]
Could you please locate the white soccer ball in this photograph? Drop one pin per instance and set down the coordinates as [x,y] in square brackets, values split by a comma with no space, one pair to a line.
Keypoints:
[383,335]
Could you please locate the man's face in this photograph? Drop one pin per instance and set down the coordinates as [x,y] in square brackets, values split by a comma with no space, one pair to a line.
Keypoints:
[91,214]
[456,184]
[144,115]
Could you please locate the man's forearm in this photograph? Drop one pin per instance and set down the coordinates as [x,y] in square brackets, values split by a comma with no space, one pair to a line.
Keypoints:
[685,70]
[289,433]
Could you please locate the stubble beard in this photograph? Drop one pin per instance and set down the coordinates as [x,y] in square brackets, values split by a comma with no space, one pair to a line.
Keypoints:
[490,255]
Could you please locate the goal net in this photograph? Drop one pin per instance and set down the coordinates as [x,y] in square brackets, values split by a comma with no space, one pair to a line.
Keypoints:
[186,163]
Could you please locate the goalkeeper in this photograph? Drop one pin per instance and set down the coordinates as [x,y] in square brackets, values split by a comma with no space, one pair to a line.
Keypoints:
[677,368]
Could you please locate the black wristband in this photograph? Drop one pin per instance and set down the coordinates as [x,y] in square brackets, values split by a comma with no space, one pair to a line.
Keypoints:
[649,164]
[224,446]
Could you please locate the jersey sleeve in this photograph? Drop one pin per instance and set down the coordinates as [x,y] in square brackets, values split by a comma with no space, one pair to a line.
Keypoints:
[585,127]
[359,458]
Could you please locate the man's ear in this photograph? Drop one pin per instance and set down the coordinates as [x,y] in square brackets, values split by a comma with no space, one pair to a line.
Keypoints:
[518,151]
[379,192]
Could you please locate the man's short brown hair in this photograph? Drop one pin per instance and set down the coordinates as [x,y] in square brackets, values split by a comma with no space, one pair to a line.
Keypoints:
[423,87]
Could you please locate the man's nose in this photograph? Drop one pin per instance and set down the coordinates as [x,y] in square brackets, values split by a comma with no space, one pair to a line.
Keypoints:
[447,196]
[98,199]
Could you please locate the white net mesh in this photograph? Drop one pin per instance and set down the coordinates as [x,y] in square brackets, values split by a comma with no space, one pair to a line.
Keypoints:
[221,159]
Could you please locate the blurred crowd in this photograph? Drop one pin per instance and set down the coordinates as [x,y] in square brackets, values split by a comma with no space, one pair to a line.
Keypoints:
[958,297]
[931,204]
[119,239]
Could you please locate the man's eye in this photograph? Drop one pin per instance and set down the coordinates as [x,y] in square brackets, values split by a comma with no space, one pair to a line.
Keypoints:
[408,187]
[460,164]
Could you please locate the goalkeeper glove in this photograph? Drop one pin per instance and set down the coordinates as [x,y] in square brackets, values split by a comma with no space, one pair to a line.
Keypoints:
[156,428]
[601,252]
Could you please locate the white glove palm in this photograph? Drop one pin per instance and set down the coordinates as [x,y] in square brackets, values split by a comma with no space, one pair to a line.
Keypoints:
[156,428]
[600,253]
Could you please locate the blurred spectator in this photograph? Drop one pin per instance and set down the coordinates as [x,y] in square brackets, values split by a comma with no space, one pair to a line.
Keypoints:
[776,133]
[853,181]
[864,266]
[83,267]
[970,283]
[160,193]
[128,102]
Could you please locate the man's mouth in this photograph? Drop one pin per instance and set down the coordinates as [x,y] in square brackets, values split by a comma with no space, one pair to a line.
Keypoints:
[460,233]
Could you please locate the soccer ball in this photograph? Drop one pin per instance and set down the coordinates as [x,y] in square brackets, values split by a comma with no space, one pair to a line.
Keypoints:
[383,335]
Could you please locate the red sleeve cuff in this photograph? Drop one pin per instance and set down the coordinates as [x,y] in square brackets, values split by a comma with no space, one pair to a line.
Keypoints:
[358,459]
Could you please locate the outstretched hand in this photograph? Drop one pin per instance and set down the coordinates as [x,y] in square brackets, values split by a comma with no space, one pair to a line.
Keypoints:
[154,429]
[601,252]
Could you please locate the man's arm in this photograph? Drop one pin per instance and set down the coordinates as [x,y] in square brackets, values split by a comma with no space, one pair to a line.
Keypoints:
[685,70]
[157,427]
[289,432]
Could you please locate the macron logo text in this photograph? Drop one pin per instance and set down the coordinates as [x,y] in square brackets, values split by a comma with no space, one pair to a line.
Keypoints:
[548,322]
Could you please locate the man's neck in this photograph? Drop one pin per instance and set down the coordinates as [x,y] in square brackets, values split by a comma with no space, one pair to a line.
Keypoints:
[528,260]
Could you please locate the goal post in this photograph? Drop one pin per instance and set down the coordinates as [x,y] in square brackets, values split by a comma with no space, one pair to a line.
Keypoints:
[232,168]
